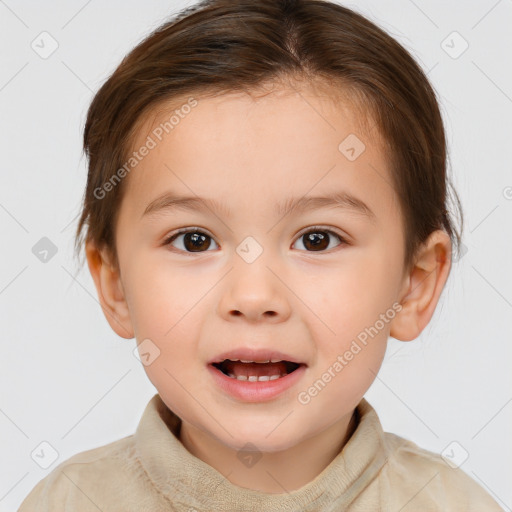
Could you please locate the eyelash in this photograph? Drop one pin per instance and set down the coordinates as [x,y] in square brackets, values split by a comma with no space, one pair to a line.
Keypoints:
[314,229]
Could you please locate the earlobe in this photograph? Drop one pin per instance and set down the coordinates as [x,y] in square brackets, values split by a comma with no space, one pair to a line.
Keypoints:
[110,291]
[423,287]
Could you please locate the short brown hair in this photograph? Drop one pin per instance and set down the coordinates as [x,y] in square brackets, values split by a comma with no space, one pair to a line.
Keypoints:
[222,46]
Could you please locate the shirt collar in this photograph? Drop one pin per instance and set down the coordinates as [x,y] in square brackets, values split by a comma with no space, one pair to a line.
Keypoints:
[186,479]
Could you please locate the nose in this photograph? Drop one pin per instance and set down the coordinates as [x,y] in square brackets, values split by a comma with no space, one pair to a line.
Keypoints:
[254,292]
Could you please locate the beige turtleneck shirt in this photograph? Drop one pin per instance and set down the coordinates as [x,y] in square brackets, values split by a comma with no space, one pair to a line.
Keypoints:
[152,471]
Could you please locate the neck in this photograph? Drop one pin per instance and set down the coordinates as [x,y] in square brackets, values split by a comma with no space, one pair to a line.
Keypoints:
[275,472]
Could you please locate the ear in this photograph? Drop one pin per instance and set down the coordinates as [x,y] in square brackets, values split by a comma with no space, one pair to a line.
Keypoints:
[422,287]
[110,291]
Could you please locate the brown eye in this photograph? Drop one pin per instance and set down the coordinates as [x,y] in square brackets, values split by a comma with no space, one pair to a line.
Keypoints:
[190,241]
[318,239]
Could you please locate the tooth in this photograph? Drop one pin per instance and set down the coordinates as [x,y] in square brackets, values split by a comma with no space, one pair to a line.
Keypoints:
[255,378]
[275,360]
[244,361]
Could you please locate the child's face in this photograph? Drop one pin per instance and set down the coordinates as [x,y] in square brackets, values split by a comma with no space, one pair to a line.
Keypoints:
[251,156]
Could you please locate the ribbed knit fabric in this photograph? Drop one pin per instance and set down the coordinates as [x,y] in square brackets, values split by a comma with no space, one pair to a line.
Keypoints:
[152,471]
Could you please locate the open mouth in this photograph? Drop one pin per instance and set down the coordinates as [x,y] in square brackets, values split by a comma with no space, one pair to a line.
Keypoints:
[256,372]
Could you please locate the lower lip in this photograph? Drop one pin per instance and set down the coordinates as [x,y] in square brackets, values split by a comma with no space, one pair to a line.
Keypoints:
[258,391]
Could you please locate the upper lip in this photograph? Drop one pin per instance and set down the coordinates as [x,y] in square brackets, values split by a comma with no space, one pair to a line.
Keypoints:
[256,355]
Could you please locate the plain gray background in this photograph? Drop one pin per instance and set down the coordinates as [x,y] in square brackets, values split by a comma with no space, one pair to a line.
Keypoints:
[69,381]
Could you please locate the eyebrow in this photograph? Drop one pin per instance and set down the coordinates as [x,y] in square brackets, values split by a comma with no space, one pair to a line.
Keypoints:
[337,200]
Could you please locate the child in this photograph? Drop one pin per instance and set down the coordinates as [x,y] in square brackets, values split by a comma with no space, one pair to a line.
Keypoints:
[303,148]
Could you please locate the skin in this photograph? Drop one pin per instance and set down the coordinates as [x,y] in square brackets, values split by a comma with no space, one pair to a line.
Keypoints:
[251,153]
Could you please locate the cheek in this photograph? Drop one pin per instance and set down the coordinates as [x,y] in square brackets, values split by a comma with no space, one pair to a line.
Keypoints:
[349,312]
[343,298]
[348,358]
[161,298]
[158,303]
[165,310]
[167,306]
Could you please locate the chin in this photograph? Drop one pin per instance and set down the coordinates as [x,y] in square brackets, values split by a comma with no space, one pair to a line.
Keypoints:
[260,438]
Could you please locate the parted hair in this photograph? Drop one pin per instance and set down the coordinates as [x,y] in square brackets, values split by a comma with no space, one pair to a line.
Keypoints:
[222,46]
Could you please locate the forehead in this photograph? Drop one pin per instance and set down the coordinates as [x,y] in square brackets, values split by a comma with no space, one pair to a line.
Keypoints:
[268,144]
